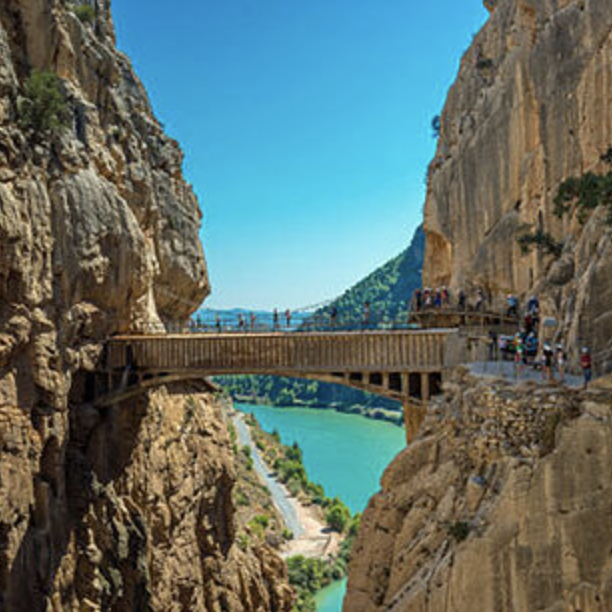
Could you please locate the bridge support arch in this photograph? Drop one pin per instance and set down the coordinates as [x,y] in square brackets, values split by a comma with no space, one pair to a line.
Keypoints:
[404,365]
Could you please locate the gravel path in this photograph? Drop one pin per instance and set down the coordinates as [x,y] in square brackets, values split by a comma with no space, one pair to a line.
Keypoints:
[279,494]
[506,369]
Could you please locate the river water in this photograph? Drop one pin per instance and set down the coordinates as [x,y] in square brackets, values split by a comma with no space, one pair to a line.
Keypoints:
[345,453]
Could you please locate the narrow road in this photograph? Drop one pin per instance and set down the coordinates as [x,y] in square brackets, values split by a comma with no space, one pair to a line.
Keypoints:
[279,494]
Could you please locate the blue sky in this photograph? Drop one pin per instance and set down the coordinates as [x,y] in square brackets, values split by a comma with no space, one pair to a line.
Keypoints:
[306,128]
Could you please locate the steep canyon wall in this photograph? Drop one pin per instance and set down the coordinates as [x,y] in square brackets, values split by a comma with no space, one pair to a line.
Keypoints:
[128,508]
[530,108]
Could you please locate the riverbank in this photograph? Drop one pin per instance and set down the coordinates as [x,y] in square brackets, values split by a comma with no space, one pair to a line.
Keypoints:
[312,537]
[376,414]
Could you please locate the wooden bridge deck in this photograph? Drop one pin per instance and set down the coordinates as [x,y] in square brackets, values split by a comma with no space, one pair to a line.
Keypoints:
[270,353]
[406,365]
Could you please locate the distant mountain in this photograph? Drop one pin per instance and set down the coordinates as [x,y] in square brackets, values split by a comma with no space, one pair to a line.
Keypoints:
[388,289]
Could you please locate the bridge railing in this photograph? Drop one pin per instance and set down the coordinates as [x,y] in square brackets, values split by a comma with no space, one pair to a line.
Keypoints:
[376,321]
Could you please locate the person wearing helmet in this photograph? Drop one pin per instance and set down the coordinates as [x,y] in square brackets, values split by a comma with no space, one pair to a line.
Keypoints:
[586,363]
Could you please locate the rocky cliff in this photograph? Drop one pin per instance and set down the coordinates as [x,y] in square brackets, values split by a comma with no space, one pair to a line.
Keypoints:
[502,503]
[128,508]
[529,109]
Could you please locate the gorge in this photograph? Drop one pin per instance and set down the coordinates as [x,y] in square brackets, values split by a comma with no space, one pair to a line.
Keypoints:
[501,500]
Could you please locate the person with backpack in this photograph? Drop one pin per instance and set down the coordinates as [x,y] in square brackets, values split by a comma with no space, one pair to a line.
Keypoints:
[586,363]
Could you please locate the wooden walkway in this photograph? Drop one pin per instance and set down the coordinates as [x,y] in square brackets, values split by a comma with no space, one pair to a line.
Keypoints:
[405,365]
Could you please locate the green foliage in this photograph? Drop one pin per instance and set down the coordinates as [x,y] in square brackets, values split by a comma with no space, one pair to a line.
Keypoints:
[263,520]
[42,108]
[242,499]
[287,534]
[389,289]
[459,530]
[338,516]
[246,452]
[85,13]
[540,239]
[585,193]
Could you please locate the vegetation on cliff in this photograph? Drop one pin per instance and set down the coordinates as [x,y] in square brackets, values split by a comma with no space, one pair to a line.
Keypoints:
[388,289]
[586,193]
[42,108]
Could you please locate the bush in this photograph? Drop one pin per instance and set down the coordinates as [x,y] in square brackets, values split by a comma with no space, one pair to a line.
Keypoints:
[459,530]
[42,109]
[85,13]
[338,516]
[585,193]
[287,534]
[540,239]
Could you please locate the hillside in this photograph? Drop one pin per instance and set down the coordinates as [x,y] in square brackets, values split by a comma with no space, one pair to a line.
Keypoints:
[388,289]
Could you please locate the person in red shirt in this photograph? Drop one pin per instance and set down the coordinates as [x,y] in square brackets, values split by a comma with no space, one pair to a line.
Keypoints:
[587,366]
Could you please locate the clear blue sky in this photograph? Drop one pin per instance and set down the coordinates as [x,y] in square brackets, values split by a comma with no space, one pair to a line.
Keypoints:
[306,128]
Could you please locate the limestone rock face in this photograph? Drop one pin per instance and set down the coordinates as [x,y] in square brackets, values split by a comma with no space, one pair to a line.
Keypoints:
[503,503]
[530,108]
[128,508]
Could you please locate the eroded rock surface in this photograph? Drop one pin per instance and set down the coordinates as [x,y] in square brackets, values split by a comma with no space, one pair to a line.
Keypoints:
[503,503]
[127,508]
[530,108]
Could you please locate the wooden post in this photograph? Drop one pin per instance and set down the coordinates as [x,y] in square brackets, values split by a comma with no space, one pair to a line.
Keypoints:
[424,388]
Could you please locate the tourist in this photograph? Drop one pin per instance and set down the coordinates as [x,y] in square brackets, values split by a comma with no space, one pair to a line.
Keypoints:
[418,299]
[461,299]
[366,314]
[240,322]
[218,323]
[547,371]
[252,319]
[288,317]
[493,345]
[533,306]
[561,361]
[586,362]
[438,298]
[519,355]
[479,300]
[333,316]
[445,296]
[275,319]
[512,305]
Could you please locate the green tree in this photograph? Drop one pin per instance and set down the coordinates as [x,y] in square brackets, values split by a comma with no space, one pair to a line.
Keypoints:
[338,516]
[42,108]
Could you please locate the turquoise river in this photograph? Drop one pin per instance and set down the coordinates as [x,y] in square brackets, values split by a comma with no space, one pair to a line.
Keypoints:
[347,454]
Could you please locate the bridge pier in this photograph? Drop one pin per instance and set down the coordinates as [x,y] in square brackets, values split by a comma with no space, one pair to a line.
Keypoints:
[414,414]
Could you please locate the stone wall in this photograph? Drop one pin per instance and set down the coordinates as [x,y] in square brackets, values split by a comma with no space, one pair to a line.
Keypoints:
[502,503]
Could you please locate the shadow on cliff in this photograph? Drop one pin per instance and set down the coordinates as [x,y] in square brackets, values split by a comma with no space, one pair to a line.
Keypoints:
[70,485]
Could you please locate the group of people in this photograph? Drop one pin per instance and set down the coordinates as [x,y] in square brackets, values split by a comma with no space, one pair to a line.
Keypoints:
[527,348]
